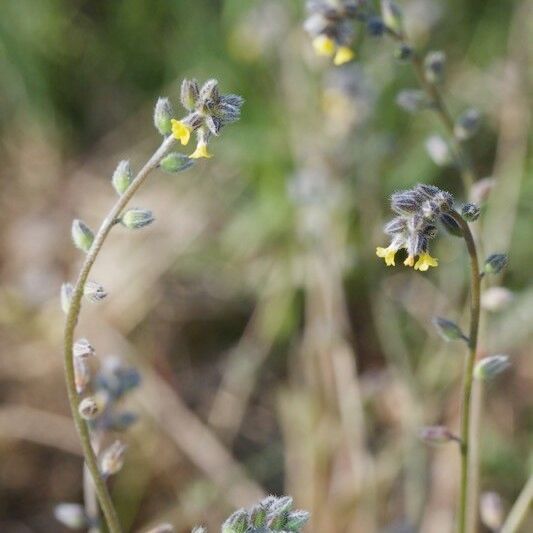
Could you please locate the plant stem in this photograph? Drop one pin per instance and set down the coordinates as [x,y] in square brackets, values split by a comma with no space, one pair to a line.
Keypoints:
[520,508]
[91,461]
[475,292]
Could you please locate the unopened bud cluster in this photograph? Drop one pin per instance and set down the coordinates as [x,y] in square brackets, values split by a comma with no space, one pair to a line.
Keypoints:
[418,210]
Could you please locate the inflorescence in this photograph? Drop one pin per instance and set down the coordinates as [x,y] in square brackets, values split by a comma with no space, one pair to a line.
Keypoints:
[418,211]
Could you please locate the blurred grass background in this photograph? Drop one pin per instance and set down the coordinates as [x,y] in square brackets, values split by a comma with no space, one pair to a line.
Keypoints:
[278,354]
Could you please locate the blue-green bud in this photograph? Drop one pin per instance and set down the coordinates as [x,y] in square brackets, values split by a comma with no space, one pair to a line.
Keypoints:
[162,115]
[71,515]
[136,218]
[448,330]
[122,177]
[66,296]
[489,367]
[175,162]
[467,124]
[94,291]
[495,263]
[82,235]
[434,64]
[470,212]
[392,16]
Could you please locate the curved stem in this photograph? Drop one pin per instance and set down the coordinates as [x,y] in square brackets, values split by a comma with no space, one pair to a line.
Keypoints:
[72,318]
[520,508]
[475,292]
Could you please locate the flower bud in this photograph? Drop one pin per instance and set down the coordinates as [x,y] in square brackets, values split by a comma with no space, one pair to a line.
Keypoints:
[450,225]
[375,26]
[258,516]
[113,458]
[491,510]
[94,291]
[489,367]
[238,522]
[71,515]
[89,408]
[470,212]
[436,435]
[439,151]
[405,202]
[189,94]
[136,218]
[412,100]
[162,116]
[122,177]
[281,505]
[467,124]
[495,263]
[404,52]
[296,520]
[434,64]
[82,235]
[66,296]
[82,348]
[278,520]
[392,16]
[175,162]
[164,528]
[496,298]
[448,330]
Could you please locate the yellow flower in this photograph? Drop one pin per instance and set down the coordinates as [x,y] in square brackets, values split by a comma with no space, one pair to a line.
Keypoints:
[181,131]
[343,55]
[201,151]
[324,45]
[425,261]
[410,261]
[387,254]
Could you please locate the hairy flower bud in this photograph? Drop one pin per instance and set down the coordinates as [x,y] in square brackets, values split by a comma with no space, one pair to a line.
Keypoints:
[489,367]
[495,263]
[258,516]
[66,296]
[404,52]
[470,212]
[436,435]
[162,116]
[392,16]
[82,348]
[434,64]
[448,330]
[296,520]
[238,522]
[112,459]
[94,291]
[190,93]
[71,515]
[82,235]
[89,408]
[467,124]
[405,202]
[175,162]
[136,218]
[122,177]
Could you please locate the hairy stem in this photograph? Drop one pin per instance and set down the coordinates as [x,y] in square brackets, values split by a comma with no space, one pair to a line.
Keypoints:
[475,292]
[72,318]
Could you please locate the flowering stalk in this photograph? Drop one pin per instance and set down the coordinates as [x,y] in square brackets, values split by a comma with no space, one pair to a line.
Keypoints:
[475,293]
[73,313]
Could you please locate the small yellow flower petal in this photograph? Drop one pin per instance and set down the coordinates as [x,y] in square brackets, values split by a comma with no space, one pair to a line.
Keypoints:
[343,55]
[410,261]
[201,151]
[324,45]
[387,254]
[425,261]
[181,131]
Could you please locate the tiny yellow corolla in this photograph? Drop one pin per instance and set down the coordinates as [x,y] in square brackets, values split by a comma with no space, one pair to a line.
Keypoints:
[343,55]
[410,261]
[324,45]
[201,151]
[181,131]
[425,261]
[387,254]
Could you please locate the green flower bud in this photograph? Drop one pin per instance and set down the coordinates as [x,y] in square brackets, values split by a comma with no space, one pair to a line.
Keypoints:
[82,235]
[238,522]
[436,435]
[71,515]
[392,16]
[448,330]
[175,162]
[467,124]
[470,212]
[189,94]
[94,291]
[162,115]
[495,263]
[434,64]
[489,367]
[296,520]
[89,408]
[278,521]
[83,349]
[66,296]
[258,516]
[122,177]
[136,218]
[113,458]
